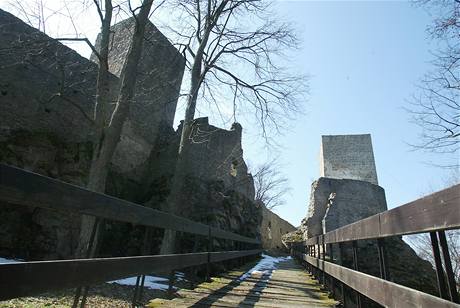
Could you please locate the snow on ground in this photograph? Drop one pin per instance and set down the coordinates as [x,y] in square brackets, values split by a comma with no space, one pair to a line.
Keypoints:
[6,261]
[266,266]
[151,282]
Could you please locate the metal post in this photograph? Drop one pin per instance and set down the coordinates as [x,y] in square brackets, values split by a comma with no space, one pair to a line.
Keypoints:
[448,265]
[342,288]
[90,251]
[208,263]
[318,256]
[141,289]
[172,278]
[136,289]
[355,265]
[382,259]
[324,259]
[140,280]
[331,259]
[439,270]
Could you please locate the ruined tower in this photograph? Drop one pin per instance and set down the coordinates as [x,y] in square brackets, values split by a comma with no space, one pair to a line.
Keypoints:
[348,191]
[348,157]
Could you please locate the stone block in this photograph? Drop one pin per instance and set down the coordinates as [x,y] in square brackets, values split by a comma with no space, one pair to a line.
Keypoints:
[348,157]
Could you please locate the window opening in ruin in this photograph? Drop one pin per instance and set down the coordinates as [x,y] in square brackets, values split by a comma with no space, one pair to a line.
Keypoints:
[233,171]
[269,230]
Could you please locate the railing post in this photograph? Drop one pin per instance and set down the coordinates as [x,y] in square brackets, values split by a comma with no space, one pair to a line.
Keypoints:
[90,252]
[318,256]
[140,280]
[136,289]
[331,259]
[355,265]
[382,259]
[323,246]
[342,288]
[208,263]
[448,265]
[439,270]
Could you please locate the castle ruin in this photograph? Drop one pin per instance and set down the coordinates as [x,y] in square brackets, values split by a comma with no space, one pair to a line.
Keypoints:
[47,93]
[348,157]
[346,192]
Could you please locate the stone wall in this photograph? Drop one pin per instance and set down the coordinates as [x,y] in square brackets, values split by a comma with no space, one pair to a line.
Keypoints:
[45,86]
[218,189]
[338,202]
[272,229]
[348,157]
[348,193]
[159,77]
[47,93]
[216,154]
[346,202]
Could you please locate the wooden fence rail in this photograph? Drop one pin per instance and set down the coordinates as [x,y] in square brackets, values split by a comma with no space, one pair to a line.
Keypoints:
[432,214]
[23,188]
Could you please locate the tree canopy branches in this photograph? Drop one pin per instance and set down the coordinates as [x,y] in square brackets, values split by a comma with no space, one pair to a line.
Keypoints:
[234,51]
[436,107]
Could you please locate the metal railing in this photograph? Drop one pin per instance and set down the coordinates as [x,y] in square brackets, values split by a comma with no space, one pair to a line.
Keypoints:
[432,214]
[24,188]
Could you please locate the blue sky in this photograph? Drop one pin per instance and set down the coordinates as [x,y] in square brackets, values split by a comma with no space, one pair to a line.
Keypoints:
[365,58]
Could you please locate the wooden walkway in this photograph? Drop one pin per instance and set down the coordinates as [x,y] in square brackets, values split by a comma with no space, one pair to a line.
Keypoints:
[287,285]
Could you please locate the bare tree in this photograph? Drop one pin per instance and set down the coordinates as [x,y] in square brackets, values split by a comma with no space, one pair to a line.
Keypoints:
[108,125]
[436,107]
[231,48]
[270,184]
[422,242]
[422,245]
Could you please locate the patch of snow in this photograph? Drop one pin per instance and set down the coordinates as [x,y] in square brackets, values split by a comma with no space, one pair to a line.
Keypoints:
[8,261]
[151,282]
[179,276]
[265,267]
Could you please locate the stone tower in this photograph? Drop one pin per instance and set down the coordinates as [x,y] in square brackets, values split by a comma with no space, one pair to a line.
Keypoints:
[348,157]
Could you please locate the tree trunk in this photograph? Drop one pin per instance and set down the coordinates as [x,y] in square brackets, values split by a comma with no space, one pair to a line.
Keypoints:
[110,134]
[177,186]
[197,75]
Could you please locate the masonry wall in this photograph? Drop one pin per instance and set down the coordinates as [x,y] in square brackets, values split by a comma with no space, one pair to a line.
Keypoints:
[48,88]
[159,77]
[272,229]
[348,157]
[47,95]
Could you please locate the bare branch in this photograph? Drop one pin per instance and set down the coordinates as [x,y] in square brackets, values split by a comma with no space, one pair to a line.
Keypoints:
[81,39]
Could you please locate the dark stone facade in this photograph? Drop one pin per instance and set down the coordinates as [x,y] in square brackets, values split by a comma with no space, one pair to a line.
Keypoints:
[46,91]
[352,200]
[45,87]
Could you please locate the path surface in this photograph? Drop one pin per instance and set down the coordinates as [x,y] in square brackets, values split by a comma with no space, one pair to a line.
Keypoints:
[274,282]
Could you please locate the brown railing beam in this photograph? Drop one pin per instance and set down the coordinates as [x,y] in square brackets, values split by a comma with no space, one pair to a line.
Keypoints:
[26,188]
[30,278]
[386,293]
